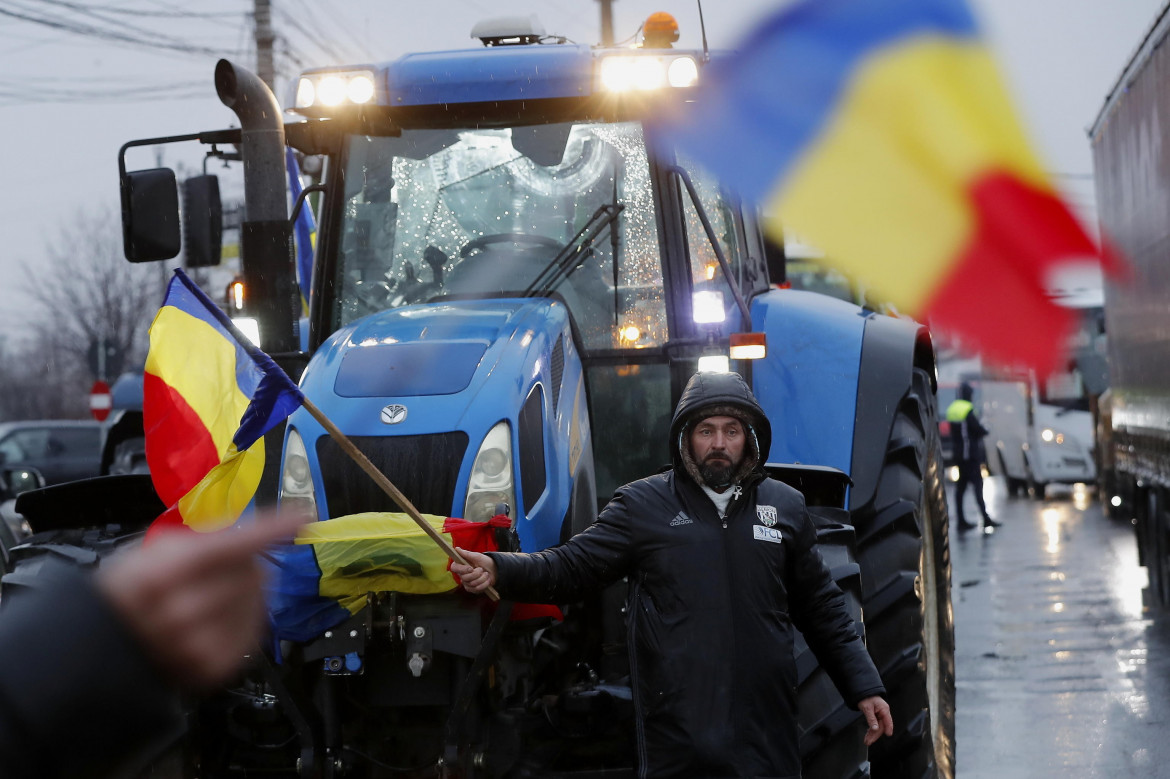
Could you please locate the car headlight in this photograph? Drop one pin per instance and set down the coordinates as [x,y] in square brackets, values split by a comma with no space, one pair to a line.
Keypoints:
[296,480]
[491,481]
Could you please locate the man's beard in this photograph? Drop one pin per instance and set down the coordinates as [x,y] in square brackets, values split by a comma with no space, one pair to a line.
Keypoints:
[717,472]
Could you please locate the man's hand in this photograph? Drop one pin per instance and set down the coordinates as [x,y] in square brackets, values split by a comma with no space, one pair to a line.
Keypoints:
[877,716]
[194,599]
[479,574]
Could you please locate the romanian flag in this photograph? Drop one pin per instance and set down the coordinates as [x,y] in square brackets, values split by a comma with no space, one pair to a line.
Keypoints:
[880,131]
[326,576]
[208,395]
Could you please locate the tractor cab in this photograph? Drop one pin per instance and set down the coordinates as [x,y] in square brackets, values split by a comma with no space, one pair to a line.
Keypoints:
[527,170]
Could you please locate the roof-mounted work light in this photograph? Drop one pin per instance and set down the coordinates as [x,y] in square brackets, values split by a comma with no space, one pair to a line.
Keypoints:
[334,89]
[647,72]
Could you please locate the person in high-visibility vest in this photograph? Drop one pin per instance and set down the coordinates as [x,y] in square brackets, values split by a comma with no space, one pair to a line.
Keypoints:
[967,434]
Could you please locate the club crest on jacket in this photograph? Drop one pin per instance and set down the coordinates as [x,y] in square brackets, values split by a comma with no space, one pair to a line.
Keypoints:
[767,515]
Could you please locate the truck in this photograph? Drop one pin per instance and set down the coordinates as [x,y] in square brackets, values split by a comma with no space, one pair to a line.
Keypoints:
[1129,160]
[513,281]
[1040,431]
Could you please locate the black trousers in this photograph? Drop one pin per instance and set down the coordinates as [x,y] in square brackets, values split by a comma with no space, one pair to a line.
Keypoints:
[970,474]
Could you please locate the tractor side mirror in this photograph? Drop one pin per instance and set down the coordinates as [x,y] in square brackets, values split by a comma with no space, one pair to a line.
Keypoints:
[17,479]
[150,215]
[202,221]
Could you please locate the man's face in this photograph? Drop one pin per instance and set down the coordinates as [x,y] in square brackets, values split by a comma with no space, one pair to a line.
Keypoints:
[717,446]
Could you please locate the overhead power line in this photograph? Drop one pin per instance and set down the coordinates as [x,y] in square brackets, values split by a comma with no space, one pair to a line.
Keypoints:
[340,30]
[15,93]
[314,37]
[146,39]
[142,12]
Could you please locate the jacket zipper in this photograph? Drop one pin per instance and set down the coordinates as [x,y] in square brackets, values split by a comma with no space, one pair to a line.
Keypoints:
[639,727]
[734,497]
[731,506]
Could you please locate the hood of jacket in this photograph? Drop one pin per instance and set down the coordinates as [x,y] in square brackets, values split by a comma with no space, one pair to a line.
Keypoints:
[719,394]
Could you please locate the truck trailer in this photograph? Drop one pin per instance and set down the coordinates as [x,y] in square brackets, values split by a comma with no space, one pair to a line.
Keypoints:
[513,281]
[1130,162]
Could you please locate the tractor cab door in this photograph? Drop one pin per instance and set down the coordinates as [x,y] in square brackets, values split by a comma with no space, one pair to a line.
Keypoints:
[634,387]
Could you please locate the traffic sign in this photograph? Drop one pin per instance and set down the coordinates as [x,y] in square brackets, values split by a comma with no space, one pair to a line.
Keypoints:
[100,400]
[105,358]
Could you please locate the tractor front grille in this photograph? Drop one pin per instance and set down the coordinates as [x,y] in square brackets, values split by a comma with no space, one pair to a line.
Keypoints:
[424,467]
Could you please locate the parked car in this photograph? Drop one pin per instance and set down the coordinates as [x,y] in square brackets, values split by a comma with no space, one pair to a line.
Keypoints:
[14,480]
[61,450]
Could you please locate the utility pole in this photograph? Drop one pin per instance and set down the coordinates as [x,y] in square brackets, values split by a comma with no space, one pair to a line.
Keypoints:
[606,22]
[265,37]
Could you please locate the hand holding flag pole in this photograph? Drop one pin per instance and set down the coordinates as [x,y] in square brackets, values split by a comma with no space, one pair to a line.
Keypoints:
[388,487]
[209,394]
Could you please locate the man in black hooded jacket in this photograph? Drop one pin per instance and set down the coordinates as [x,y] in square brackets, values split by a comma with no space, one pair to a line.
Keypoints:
[722,564]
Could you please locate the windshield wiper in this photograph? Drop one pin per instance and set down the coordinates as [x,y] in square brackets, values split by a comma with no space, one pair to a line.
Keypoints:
[685,178]
[575,253]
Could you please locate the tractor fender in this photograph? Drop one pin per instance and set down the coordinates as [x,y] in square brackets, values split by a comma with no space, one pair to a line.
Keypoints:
[807,382]
[891,348]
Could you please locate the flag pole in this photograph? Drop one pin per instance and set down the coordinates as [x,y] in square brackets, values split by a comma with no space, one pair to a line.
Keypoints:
[388,487]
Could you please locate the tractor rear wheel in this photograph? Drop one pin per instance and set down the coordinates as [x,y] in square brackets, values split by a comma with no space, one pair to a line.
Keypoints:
[831,734]
[904,552]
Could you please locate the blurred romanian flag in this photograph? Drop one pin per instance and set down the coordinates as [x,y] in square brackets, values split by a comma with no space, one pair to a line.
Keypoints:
[208,395]
[880,131]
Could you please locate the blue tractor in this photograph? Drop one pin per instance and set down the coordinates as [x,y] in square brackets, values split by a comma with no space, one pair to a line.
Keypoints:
[512,284]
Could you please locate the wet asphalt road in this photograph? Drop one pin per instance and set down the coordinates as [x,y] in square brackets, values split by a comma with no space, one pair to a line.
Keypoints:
[1060,671]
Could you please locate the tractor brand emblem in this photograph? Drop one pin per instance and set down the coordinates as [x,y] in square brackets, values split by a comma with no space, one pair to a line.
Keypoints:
[394,413]
[767,514]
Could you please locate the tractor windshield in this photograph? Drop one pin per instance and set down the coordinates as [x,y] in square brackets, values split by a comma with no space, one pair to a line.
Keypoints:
[561,209]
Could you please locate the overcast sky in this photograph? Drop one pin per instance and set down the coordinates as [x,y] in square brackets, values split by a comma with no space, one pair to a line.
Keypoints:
[89,76]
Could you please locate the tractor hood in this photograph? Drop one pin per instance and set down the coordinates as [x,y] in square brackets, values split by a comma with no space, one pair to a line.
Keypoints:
[436,358]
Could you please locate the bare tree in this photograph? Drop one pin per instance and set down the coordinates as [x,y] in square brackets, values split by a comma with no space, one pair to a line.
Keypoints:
[84,293]
[38,382]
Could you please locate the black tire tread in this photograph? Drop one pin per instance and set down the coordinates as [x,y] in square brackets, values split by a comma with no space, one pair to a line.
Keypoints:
[909,500]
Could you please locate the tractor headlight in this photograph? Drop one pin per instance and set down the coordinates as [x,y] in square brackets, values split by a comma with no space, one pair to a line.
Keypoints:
[334,89]
[360,89]
[249,326]
[491,481]
[646,72]
[682,72]
[331,91]
[306,93]
[707,307]
[714,363]
[296,480]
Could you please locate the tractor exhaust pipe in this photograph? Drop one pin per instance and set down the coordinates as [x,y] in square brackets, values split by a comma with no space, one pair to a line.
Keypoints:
[266,235]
